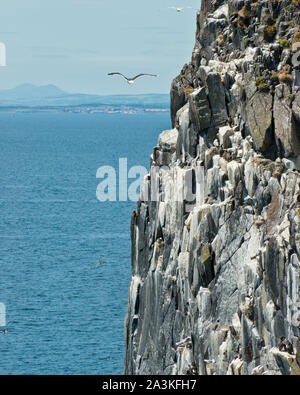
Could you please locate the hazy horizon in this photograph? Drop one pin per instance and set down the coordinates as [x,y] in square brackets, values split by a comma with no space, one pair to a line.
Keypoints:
[73,44]
[28,84]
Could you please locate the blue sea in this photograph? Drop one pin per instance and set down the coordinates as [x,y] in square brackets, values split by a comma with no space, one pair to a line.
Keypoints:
[65,314]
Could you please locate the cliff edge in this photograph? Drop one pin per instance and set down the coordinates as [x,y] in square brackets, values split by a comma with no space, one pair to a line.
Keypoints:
[216,234]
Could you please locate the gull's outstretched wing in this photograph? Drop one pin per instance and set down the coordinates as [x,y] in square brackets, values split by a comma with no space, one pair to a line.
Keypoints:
[179,8]
[117,73]
[142,74]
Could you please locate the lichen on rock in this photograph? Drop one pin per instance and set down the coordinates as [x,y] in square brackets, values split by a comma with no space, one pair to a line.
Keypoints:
[216,257]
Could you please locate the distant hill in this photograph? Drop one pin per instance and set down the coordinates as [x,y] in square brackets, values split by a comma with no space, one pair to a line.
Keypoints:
[28,95]
[28,91]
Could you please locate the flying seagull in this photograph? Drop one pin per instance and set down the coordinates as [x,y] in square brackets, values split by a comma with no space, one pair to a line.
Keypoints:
[132,80]
[179,9]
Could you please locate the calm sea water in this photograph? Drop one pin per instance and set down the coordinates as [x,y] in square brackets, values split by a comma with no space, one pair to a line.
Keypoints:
[65,313]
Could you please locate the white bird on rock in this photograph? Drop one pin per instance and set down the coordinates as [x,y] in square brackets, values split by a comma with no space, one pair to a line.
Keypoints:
[132,80]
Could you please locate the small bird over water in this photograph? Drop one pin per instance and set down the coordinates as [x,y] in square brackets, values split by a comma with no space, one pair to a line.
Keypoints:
[101,262]
[4,331]
[132,80]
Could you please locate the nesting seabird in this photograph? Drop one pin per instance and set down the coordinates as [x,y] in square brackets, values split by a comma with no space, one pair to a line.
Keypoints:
[132,80]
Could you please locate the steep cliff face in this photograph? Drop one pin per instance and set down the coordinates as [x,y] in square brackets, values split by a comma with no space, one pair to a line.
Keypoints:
[216,234]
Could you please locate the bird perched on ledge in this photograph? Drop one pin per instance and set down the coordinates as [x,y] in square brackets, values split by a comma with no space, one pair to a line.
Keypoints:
[132,80]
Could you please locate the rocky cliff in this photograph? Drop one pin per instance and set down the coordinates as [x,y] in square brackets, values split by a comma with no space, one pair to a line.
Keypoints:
[216,235]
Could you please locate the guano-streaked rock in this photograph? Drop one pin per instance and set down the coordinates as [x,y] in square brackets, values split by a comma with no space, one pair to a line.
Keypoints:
[215,284]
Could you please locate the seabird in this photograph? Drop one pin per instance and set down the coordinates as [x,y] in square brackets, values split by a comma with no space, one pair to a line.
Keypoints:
[131,80]
[4,331]
[101,262]
[179,9]
[281,344]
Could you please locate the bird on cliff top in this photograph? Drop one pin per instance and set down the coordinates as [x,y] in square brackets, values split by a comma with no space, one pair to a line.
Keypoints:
[132,80]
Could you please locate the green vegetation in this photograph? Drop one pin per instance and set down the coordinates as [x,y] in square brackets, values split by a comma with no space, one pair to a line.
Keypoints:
[284,43]
[274,77]
[247,41]
[291,96]
[261,84]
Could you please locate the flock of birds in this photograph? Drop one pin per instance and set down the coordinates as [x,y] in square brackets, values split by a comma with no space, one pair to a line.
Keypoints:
[132,80]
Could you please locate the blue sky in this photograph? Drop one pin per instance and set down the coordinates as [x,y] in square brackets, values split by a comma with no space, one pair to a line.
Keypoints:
[75,43]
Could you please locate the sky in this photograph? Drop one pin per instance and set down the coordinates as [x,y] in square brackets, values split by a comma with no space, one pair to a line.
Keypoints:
[74,43]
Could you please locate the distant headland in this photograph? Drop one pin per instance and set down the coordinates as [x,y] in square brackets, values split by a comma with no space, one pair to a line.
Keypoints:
[50,98]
